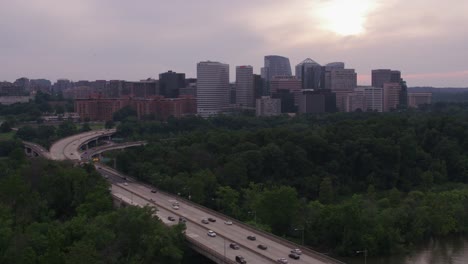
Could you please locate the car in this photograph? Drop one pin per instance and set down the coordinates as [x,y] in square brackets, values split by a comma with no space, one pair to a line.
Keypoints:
[282,260]
[170,218]
[175,207]
[241,259]
[294,256]
[211,219]
[106,176]
[211,233]
[205,221]
[175,203]
[99,168]
[153,191]
[234,246]
[262,247]
[253,238]
[228,222]
[126,184]
[182,220]
[296,251]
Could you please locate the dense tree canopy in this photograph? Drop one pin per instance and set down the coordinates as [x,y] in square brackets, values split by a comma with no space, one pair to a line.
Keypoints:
[350,181]
[55,213]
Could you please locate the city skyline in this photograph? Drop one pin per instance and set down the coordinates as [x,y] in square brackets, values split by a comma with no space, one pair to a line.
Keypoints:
[95,40]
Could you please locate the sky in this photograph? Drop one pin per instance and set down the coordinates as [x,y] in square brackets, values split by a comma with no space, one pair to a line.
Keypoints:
[427,40]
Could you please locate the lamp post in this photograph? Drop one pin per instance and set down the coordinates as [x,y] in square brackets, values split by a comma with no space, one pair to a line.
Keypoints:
[302,234]
[224,249]
[365,254]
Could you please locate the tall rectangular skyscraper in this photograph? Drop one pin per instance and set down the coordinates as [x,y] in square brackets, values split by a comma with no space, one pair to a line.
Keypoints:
[212,88]
[245,86]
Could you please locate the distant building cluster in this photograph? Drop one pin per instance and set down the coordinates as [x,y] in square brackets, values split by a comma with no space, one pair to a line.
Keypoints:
[314,88]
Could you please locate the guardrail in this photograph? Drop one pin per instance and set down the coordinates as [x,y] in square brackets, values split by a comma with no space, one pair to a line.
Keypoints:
[257,231]
[209,253]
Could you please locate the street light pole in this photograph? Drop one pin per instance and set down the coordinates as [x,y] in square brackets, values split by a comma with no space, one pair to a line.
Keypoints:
[255,215]
[224,249]
[365,254]
[302,234]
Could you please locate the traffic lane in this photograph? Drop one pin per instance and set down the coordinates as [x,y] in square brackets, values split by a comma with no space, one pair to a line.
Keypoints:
[221,245]
[235,233]
[57,149]
[238,234]
[195,231]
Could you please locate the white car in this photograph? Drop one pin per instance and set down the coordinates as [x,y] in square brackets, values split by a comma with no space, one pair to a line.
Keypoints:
[126,184]
[282,260]
[296,251]
[175,207]
[228,222]
[211,233]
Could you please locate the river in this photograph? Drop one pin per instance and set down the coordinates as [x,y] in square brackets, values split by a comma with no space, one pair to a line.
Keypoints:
[453,250]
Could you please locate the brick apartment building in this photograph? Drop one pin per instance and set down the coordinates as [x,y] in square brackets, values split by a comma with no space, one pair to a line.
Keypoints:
[102,109]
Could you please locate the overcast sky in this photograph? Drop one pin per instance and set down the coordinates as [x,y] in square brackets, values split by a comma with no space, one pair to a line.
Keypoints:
[136,39]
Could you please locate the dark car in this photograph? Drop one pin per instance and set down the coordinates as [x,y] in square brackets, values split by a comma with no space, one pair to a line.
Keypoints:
[240,259]
[294,256]
[205,221]
[262,247]
[253,238]
[182,220]
[170,218]
[153,191]
[212,220]
[234,246]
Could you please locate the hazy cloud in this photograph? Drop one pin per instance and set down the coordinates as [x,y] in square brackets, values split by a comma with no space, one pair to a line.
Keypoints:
[121,39]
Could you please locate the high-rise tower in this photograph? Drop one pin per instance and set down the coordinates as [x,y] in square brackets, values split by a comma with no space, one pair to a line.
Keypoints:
[245,86]
[212,87]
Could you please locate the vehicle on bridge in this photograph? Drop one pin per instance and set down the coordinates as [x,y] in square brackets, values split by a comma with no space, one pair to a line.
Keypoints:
[211,233]
[262,247]
[234,246]
[241,260]
[253,238]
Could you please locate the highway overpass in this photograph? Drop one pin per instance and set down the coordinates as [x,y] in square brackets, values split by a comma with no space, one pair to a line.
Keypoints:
[128,191]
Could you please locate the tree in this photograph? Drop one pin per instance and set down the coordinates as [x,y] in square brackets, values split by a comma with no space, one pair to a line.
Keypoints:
[109,124]
[85,127]
[5,127]
[326,193]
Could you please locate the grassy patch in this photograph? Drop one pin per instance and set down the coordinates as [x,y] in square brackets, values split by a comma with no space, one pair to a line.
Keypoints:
[96,126]
[7,136]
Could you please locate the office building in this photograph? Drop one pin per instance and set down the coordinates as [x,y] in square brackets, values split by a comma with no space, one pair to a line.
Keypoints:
[317,101]
[287,99]
[355,101]
[382,76]
[373,97]
[276,66]
[309,72]
[259,85]
[342,82]
[335,66]
[417,99]
[245,94]
[212,88]
[267,106]
[290,83]
[170,84]
[391,96]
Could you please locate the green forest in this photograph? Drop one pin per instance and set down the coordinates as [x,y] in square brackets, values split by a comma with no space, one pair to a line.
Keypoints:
[345,181]
[53,212]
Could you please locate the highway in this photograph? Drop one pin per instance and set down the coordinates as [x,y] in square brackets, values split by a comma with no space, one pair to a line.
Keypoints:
[139,194]
[68,148]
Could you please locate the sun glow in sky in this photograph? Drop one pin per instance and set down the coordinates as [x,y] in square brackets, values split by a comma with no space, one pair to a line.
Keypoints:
[345,17]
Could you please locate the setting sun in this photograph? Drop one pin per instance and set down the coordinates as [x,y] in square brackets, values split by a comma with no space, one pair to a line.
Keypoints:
[345,17]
